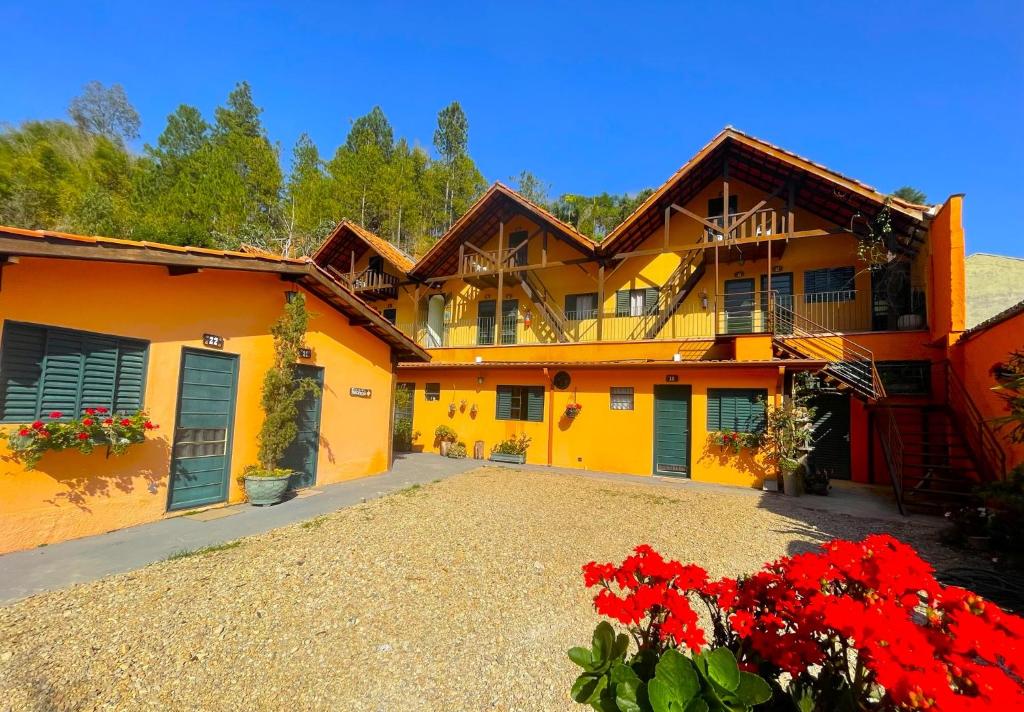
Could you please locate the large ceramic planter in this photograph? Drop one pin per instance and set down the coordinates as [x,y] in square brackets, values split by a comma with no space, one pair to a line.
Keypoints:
[511,459]
[263,491]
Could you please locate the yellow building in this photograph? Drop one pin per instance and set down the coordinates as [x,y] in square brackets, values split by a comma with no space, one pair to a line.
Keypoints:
[748,265]
[184,334]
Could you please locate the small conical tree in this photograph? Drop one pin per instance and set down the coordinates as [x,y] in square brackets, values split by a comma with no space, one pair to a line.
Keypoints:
[282,391]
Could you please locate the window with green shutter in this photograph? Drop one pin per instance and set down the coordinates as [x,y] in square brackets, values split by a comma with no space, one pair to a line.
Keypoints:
[906,378]
[43,369]
[581,306]
[636,302]
[520,403]
[832,284]
[739,409]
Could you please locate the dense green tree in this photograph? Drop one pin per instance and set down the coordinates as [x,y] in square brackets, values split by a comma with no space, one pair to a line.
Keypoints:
[451,140]
[310,210]
[532,188]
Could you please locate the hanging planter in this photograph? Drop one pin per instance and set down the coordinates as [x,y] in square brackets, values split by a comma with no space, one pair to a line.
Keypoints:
[572,410]
[451,409]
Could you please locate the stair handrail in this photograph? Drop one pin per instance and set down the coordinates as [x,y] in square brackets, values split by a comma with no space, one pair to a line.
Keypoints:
[822,339]
[667,294]
[892,448]
[986,445]
[553,311]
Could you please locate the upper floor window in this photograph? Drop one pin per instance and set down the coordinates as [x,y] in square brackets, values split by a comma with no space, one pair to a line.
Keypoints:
[376,264]
[831,284]
[636,302]
[432,391]
[45,369]
[905,378]
[581,306]
[738,409]
[519,403]
[485,321]
[518,253]
[390,314]
[715,206]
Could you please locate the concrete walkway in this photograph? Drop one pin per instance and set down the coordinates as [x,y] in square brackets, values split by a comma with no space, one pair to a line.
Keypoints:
[23,573]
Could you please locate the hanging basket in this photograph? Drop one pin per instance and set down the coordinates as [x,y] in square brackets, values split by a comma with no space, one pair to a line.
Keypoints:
[572,410]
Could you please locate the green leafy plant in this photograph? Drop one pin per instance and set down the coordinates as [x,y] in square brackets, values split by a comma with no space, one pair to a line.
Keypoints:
[788,427]
[282,391]
[442,433]
[457,451]
[1011,390]
[97,427]
[515,445]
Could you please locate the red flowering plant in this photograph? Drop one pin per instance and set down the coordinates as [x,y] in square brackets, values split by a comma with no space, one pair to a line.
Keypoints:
[734,440]
[97,426]
[854,626]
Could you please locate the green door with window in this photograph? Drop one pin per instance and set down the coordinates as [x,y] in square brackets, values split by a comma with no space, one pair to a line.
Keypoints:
[301,455]
[831,434]
[672,430]
[201,459]
[739,306]
[782,285]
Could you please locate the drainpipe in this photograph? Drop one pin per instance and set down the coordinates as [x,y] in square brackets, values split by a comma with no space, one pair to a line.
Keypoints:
[551,415]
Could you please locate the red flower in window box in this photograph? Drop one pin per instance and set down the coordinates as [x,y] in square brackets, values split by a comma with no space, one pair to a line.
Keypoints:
[56,414]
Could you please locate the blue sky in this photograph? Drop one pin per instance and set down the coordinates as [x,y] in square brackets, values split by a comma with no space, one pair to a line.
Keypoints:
[591,97]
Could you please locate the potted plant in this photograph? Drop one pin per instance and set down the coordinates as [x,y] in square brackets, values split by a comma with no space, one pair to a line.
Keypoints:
[457,451]
[572,410]
[787,435]
[511,450]
[445,436]
[266,482]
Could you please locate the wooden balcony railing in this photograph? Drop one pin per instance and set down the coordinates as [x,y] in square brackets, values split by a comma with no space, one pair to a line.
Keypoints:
[368,280]
[760,223]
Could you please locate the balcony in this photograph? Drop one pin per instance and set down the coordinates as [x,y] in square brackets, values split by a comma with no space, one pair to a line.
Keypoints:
[370,284]
[843,311]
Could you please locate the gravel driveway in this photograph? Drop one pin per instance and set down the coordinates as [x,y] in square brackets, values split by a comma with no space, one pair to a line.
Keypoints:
[459,595]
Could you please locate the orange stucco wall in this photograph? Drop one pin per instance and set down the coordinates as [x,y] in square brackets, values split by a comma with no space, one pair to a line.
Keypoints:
[947,283]
[973,359]
[71,495]
[599,438]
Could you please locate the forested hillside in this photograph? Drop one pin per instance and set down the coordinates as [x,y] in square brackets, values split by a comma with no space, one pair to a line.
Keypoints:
[221,181]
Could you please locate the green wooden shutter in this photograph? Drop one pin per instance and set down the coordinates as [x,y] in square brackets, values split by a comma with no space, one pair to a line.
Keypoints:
[815,281]
[129,390]
[570,306]
[758,408]
[714,410]
[622,302]
[63,371]
[99,374]
[651,300]
[503,403]
[21,368]
[535,403]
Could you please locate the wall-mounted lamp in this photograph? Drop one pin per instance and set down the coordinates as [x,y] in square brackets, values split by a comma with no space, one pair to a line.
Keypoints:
[704,301]
[478,359]
[776,268]
[677,357]
[290,296]
[480,380]
[738,274]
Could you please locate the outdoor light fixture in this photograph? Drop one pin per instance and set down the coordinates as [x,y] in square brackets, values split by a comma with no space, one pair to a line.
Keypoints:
[480,380]
[704,301]
[478,359]
[677,357]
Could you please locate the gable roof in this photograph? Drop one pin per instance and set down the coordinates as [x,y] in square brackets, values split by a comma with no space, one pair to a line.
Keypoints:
[16,241]
[349,236]
[764,166]
[497,204]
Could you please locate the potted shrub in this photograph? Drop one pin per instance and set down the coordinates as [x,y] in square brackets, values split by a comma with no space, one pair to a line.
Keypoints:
[445,436]
[787,435]
[457,451]
[266,482]
[511,450]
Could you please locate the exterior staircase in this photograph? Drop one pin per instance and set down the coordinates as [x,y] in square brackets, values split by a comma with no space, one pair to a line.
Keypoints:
[682,280]
[937,469]
[541,298]
[848,365]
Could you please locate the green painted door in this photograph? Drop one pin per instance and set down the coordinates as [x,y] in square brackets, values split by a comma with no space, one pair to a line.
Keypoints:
[301,455]
[831,434]
[782,285]
[739,306]
[201,459]
[672,430]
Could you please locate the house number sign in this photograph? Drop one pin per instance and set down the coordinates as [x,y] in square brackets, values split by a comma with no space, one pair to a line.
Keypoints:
[360,392]
[671,378]
[305,352]
[213,341]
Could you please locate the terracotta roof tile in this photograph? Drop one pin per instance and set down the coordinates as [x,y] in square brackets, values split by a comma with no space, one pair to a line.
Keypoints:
[398,259]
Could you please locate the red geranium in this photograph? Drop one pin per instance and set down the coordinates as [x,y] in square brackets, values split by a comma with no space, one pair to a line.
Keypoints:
[24,432]
[87,421]
[56,414]
[83,436]
[865,618]
[37,425]
[125,422]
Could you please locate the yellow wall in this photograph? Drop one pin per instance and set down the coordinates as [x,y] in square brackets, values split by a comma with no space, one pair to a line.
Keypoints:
[71,495]
[599,438]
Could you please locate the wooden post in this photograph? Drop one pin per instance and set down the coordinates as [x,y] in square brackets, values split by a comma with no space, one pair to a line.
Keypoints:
[544,250]
[600,301]
[668,219]
[462,259]
[789,211]
[498,311]
[352,269]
